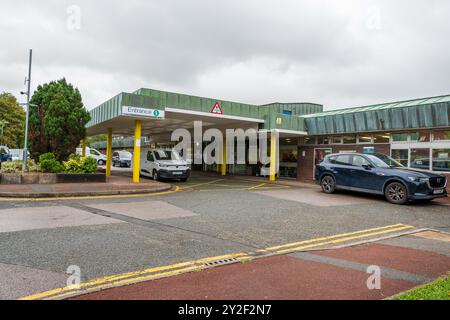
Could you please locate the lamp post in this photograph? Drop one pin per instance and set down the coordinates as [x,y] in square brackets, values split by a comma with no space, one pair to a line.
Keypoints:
[25,145]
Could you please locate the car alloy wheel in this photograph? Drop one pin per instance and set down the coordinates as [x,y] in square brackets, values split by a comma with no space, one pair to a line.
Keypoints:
[396,193]
[155,175]
[328,184]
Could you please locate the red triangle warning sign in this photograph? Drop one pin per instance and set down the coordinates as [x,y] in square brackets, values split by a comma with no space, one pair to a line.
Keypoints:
[216,109]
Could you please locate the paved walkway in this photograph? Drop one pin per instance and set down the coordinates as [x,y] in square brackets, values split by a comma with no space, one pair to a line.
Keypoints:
[344,273]
[117,184]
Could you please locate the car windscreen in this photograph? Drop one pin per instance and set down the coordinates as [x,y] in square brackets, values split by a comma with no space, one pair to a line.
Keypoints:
[4,150]
[383,161]
[166,155]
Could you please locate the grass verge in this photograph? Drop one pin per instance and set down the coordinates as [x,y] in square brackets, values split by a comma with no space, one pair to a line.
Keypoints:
[437,290]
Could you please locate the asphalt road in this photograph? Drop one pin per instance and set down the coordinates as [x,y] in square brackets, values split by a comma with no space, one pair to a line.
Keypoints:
[209,216]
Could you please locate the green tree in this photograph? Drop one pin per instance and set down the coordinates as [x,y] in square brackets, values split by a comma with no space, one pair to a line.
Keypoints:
[12,121]
[97,138]
[57,123]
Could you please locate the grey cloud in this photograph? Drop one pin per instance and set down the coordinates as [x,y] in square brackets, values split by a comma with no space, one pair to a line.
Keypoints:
[322,51]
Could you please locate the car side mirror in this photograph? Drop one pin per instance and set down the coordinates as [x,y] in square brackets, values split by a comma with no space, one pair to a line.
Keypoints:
[367,166]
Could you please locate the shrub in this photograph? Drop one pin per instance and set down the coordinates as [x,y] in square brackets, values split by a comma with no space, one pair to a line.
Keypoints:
[80,165]
[32,166]
[11,167]
[49,163]
[90,165]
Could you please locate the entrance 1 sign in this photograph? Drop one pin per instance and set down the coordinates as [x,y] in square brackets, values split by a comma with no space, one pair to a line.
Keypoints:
[143,112]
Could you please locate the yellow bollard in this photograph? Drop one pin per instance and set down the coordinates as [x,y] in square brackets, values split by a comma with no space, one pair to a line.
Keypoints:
[224,157]
[273,156]
[108,152]
[137,150]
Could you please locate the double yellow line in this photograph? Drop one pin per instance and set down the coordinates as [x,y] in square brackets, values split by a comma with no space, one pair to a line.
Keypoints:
[197,265]
[335,239]
[133,277]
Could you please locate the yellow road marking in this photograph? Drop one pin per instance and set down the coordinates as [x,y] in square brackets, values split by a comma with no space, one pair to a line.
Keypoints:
[341,240]
[127,281]
[183,267]
[202,184]
[116,196]
[257,186]
[332,237]
[239,189]
[139,273]
[230,185]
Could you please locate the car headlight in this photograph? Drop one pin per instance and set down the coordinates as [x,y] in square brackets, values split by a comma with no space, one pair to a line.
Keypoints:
[418,179]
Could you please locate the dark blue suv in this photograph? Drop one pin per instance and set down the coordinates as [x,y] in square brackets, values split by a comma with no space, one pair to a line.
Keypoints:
[378,174]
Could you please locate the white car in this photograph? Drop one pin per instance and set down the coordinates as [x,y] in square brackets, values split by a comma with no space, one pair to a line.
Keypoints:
[264,171]
[122,158]
[163,164]
[93,153]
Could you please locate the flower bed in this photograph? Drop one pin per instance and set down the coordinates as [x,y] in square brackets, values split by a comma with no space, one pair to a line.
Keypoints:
[49,171]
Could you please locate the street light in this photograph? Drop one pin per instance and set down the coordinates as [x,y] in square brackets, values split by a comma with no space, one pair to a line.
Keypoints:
[25,145]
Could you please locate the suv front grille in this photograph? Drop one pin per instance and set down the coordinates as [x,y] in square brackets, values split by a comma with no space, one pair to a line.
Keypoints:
[437,182]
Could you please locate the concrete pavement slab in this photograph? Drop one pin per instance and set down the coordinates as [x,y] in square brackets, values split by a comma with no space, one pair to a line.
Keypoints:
[415,242]
[145,210]
[315,197]
[18,281]
[47,217]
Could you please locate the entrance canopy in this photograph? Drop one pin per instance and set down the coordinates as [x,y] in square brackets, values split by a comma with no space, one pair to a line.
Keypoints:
[157,114]
[180,111]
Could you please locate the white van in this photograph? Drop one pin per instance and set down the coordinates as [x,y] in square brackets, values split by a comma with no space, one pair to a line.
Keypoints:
[163,164]
[93,153]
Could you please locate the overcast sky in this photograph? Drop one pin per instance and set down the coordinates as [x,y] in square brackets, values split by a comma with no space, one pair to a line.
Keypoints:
[337,53]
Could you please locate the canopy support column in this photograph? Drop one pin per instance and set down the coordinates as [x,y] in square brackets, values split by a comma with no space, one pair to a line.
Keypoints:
[137,150]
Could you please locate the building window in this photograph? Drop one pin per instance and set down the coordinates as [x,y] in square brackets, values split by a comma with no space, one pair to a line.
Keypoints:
[441,160]
[323,140]
[401,155]
[336,140]
[349,139]
[423,136]
[399,137]
[310,140]
[364,139]
[441,135]
[382,138]
[420,158]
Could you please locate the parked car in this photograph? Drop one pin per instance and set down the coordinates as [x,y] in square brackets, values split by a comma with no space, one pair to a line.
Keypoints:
[16,154]
[5,154]
[93,153]
[122,158]
[378,174]
[163,164]
[264,170]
